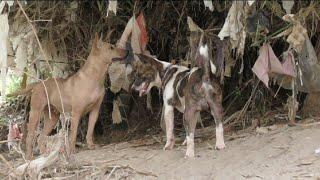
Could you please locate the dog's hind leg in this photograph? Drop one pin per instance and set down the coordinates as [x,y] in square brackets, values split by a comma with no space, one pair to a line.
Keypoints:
[93,117]
[217,112]
[34,117]
[190,122]
[37,106]
[49,124]
[169,120]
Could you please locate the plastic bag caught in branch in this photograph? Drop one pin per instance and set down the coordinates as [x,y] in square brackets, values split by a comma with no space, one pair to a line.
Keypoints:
[250,2]
[136,27]
[112,7]
[118,77]
[287,5]
[143,32]
[139,36]
[267,63]
[288,64]
[297,37]
[208,4]
[308,79]
[234,26]
[126,33]
[297,33]
[136,31]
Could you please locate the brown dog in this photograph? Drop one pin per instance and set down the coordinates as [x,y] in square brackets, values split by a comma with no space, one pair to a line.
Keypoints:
[81,93]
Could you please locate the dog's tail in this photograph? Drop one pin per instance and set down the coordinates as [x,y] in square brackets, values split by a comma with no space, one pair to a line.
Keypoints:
[207,65]
[23,91]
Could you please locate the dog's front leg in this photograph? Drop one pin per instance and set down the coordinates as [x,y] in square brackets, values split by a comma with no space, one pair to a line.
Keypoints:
[168,118]
[74,128]
[93,117]
[217,113]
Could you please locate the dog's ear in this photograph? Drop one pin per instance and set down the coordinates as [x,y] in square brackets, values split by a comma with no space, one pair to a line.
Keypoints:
[95,43]
[150,60]
[145,59]
[96,39]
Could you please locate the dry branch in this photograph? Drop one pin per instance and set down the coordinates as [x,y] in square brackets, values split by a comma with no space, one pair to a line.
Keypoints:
[34,167]
[6,162]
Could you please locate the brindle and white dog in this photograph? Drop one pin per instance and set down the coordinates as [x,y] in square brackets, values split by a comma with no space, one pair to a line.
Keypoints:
[188,90]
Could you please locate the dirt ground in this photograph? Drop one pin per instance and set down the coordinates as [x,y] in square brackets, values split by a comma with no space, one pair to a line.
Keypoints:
[276,152]
[281,153]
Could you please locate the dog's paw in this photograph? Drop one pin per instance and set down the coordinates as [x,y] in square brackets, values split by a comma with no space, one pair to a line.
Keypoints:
[72,150]
[169,145]
[189,154]
[220,146]
[92,146]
